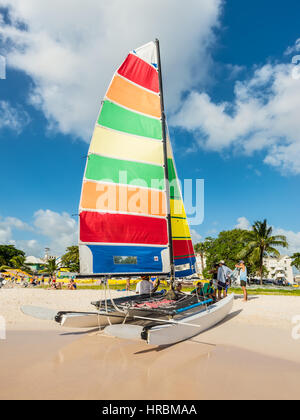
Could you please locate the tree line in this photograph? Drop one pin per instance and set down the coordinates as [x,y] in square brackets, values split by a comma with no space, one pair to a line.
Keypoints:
[252,246]
[231,246]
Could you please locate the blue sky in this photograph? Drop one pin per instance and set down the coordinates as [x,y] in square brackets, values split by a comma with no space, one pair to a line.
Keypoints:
[239,66]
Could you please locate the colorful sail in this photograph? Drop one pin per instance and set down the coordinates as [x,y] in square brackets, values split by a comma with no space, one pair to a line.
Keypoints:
[124,203]
[183,249]
[123,208]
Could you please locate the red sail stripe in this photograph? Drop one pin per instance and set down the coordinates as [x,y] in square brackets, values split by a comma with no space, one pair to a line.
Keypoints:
[140,72]
[183,248]
[120,228]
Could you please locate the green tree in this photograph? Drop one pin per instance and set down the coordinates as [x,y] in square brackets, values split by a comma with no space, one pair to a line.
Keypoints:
[51,267]
[259,243]
[18,262]
[226,246]
[70,259]
[296,260]
[7,253]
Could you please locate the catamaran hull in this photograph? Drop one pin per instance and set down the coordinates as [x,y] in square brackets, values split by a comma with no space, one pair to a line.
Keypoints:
[95,320]
[75,320]
[174,333]
[182,329]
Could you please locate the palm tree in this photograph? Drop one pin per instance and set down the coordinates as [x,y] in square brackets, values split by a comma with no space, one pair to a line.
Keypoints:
[296,260]
[51,267]
[70,259]
[18,262]
[261,243]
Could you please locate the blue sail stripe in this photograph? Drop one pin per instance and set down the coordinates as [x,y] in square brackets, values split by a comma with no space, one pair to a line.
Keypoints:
[149,259]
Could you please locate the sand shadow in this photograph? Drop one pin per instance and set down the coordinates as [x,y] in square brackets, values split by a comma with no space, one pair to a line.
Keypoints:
[249,297]
[82,332]
[166,347]
[162,348]
[156,349]
[229,317]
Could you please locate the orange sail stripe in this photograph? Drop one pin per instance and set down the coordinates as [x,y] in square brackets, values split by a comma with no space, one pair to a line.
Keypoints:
[133,97]
[121,198]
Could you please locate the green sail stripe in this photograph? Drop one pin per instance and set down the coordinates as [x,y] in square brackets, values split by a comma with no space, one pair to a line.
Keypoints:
[174,186]
[121,119]
[181,237]
[105,169]
[183,256]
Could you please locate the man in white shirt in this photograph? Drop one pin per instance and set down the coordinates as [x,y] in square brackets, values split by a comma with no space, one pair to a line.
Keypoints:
[144,287]
[223,279]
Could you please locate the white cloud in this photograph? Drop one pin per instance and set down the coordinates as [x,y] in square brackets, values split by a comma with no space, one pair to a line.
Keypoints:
[30,247]
[264,116]
[71,49]
[12,118]
[54,230]
[243,223]
[293,239]
[60,229]
[196,238]
[7,225]
[293,49]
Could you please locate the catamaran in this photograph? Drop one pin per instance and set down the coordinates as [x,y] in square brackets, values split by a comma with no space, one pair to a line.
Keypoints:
[132,219]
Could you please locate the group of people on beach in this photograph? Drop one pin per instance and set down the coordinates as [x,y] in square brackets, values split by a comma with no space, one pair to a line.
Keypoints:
[34,280]
[217,288]
[58,285]
[223,275]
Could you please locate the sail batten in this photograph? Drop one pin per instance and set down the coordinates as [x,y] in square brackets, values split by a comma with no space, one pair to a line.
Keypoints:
[126,211]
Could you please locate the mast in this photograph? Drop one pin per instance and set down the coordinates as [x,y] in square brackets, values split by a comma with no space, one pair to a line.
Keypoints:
[166,169]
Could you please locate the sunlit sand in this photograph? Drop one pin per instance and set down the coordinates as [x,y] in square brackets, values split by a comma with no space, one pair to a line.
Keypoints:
[250,355]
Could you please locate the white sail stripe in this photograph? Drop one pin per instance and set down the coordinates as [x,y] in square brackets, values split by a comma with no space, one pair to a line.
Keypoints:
[121,212]
[131,110]
[137,85]
[122,244]
[122,185]
[125,133]
[126,159]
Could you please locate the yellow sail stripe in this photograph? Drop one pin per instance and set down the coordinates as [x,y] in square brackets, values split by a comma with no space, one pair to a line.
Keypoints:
[177,209]
[180,229]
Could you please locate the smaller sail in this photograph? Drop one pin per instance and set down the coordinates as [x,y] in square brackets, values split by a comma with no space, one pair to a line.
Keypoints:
[183,249]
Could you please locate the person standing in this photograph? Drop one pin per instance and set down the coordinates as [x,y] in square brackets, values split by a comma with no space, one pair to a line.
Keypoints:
[224,273]
[145,286]
[214,273]
[243,278]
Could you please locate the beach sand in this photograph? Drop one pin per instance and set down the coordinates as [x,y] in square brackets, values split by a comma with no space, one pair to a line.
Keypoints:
[251,355]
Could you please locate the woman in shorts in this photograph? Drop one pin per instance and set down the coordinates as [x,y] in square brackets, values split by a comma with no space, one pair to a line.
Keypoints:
[243,278]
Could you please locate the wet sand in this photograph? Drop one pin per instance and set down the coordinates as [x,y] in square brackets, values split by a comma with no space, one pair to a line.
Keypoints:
[248,356]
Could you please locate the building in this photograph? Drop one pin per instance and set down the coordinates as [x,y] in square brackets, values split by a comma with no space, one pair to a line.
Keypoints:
[297,279]
[34,263]
[280,269]
[201,263]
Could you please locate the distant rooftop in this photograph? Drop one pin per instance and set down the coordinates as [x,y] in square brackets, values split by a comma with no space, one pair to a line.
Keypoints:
[34,260]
